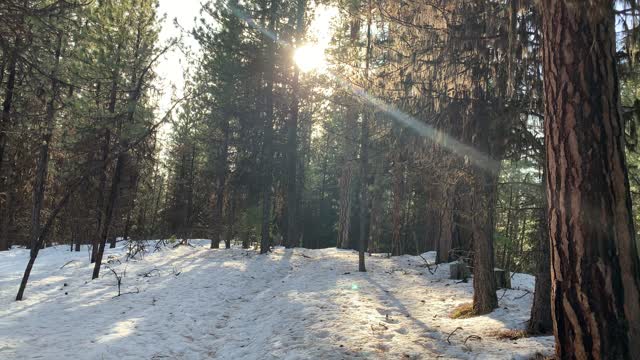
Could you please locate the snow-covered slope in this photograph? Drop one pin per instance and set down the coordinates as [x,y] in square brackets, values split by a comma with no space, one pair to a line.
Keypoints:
[197,303]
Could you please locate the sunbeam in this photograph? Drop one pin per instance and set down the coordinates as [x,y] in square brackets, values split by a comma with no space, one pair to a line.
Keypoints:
[469,153]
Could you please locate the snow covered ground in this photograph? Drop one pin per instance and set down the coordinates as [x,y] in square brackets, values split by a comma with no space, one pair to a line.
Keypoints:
[197,303]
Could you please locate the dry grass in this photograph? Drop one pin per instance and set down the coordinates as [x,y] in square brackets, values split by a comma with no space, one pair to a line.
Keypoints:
[510,334]
[463,311]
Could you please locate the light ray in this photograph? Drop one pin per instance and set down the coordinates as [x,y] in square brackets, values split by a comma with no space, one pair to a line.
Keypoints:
[469,153]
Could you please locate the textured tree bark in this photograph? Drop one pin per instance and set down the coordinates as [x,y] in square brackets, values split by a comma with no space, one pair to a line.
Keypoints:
[595,268]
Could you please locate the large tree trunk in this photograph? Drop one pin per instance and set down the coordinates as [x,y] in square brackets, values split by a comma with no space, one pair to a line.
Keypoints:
[595,268]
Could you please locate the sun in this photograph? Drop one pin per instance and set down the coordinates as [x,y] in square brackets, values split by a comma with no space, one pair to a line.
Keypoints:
[310,57]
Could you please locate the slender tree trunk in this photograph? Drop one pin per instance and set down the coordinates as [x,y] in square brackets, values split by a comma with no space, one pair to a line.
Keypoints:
[291,237]
[377,207]
[540,321]
[595,267]
[364,192]
[397,212]
[102,183]
[231,214]
[5,118]
[43,155]
[6,211]
[346,177]
[44,233]
[221,179]
[445,233]
[5,123]
[484,199]
[108,214]
[484,284]
[364,157]
[267,146]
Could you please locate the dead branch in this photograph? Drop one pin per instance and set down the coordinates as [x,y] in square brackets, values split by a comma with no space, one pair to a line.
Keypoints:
[429,265]
[526,292]
[67,263]
[453,332]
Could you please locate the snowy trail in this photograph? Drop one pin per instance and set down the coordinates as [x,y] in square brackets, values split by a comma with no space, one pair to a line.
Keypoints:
[199,303]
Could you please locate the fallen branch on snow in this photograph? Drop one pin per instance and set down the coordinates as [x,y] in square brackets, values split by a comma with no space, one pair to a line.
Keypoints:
[451,334]
[67,263]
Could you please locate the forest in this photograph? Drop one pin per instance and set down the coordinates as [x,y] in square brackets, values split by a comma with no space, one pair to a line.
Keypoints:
[414,146]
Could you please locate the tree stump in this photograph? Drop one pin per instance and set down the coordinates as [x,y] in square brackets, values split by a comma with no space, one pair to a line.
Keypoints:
[502,279]
[458,270]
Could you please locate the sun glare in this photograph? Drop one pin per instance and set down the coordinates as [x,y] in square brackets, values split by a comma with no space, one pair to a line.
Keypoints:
[310,57]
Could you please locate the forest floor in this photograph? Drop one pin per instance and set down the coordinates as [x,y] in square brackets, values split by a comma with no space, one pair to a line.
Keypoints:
[196,303]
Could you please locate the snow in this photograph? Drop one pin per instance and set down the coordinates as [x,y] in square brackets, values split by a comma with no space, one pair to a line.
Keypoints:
[198,303]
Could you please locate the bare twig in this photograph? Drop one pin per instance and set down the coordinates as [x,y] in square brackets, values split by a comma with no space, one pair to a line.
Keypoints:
[503,294]
[526,292]
[451,334]
[150,273]
[119,278]
[67,263]
[432,272]
[130,292]
[472,337]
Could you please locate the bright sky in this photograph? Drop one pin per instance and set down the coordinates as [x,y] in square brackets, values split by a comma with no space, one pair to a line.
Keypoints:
[172,66]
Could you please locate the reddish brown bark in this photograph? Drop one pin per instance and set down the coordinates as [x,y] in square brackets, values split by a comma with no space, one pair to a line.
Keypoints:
[595,270]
